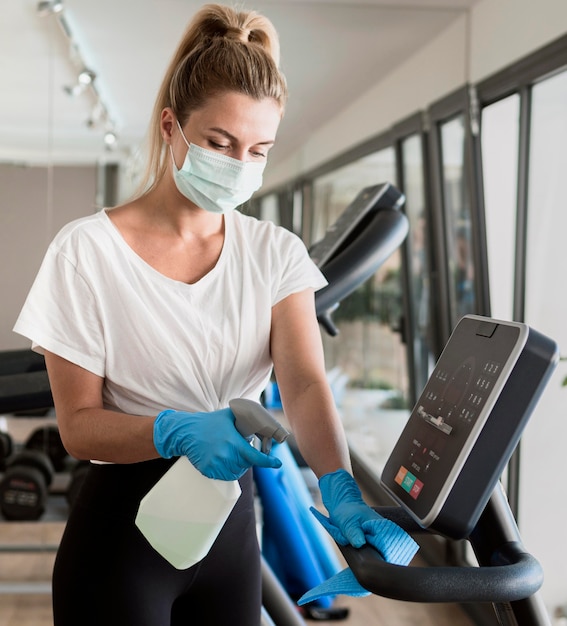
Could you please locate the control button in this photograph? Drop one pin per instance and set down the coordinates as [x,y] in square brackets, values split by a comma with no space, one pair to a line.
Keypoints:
[416,489]
[408,482]
[483,383]
[401,475]
[491,367]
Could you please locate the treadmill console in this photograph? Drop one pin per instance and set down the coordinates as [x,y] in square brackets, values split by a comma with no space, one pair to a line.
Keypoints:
[467,422]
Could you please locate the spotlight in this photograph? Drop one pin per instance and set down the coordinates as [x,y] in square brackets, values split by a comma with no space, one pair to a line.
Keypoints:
[110,139]
[86,76]
[49,7]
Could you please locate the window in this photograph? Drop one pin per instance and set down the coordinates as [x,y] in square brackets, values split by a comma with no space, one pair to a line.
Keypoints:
[458,231]
[418,258]
[500,140]
[367,362]
[269,209]
[333,192]
[546,301]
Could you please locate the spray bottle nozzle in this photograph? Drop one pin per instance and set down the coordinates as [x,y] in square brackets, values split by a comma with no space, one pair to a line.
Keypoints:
[253,419]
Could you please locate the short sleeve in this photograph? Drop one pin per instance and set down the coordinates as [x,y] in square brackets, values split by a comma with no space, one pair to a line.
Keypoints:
[60,314]
[298,270]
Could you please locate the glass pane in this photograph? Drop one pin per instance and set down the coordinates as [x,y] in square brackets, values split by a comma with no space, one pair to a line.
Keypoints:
[297,212]
[269,209]
[547,218]
[418,246]
[457,219]
[335,191]
[499,141]
[367,361]
[543,444]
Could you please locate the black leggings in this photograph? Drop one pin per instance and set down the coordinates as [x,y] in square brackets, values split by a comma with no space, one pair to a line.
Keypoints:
[107,574]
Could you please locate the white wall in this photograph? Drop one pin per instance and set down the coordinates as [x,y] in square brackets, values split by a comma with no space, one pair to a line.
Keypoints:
[30,215]
[506,30]
[501,31]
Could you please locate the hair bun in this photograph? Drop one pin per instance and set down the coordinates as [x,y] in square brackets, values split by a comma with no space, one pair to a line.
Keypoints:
[238,33]
[215,20]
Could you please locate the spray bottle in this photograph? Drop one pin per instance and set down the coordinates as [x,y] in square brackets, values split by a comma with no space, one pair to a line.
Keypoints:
[184,512]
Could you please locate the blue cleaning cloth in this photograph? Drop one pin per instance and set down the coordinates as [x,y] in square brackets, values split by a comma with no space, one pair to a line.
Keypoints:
[393,543]
[343,583]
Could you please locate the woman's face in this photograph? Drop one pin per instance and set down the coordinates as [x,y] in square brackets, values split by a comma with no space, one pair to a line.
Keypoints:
[232,124]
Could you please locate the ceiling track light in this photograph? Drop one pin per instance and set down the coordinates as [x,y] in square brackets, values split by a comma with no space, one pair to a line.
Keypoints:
[86,77]
[49,7]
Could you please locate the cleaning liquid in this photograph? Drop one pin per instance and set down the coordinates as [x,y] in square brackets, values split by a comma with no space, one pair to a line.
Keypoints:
[183,513]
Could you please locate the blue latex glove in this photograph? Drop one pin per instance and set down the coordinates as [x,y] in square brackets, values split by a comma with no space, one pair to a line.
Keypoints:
[210,441]
[352,521]
[347,510]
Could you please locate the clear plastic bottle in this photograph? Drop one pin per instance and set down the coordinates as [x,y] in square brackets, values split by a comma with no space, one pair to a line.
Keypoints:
[184,512]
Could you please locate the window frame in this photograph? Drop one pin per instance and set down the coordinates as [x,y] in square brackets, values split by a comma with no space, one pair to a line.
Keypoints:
[414,125]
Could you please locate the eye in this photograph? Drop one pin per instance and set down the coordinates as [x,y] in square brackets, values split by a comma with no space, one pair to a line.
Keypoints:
[218,146]
[260,151]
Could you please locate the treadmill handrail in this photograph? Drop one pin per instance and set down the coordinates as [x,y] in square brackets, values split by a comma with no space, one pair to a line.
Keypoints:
[357,263]
[384,235]
[515,575]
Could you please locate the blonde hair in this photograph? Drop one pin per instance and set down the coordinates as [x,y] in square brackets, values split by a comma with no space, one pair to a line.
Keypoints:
[221,50]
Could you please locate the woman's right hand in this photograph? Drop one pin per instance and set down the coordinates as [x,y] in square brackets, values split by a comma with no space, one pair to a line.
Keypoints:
[210,441]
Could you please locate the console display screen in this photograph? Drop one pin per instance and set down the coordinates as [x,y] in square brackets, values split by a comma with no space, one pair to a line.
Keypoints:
[448,416]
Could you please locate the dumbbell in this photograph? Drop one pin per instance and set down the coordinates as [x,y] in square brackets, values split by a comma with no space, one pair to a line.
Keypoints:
[24,486]
[47,439]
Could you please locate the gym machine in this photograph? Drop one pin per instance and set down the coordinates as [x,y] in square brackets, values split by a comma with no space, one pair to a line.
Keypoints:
[24,385]
[28,469]
[444,472]
[38,479]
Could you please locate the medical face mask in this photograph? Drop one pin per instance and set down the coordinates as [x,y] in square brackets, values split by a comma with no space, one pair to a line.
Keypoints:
[216,182]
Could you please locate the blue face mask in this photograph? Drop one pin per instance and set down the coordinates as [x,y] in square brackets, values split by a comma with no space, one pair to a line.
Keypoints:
[216,182]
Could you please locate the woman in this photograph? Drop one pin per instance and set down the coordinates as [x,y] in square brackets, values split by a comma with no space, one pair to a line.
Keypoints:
[154,314]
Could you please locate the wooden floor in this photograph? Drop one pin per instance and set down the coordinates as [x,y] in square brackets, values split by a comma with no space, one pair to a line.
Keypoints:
[30,569]
[35,610]
[23,572]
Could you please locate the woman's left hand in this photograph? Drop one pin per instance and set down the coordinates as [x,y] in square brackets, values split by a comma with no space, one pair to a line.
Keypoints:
[352,521]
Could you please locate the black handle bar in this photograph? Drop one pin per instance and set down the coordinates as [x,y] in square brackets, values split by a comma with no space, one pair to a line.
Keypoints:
[515,575]
[512,574]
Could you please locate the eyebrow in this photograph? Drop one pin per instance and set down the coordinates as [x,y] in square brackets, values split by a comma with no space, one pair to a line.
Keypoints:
[234,139]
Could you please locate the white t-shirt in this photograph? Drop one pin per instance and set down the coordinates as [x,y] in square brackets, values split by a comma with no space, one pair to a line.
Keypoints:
[160,343]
